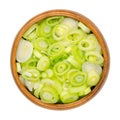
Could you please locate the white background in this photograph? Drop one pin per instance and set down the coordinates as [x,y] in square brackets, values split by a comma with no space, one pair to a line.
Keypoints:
[105,14]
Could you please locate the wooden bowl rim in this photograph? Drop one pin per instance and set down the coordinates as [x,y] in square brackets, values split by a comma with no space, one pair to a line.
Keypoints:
[101,40]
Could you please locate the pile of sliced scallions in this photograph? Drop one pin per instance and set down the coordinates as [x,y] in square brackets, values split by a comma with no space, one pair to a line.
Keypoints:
[59,60]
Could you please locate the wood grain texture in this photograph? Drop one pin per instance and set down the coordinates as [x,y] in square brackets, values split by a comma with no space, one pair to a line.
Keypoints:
[100,38]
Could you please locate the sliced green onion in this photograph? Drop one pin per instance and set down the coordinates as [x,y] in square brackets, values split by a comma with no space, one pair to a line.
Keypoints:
[94,57]
[49,95]
[37,88]
[19,69]
[52,83]
[88,66]
[86,45]
[61,68]
[32,62]
[60,31]
[93,78]
[76,77]
[71,23]
[55,50]
[43,64]
[37,54]
[89,43]
[40,43]
[52,21]
[73,62]
[81,91]
[21,79]
[31,74]
[24,51]
[84,27]
[29,85]
[37,92]
[30,34]
[78,55]
[75,36]
[44,30]
[67,97]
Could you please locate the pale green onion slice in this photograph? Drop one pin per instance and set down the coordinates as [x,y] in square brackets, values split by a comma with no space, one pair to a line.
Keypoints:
[67,97]
[71,23]
[21,79]
[43,64]
[75,36]
[30,34]
[79,89]
[32,62]
[31,74]
[61,68]
[37,92]
[84,27]
[49,95]
[24,51]
[29,85]
[74,62]
[52,83]
[78,55]
[52,21]
[89,66]
[37,54]
[76,77]
[37,87]
[44,30]
[19,69]
[82,90]
[59,32]
[93,78]
[40,43]
[55,50]
[94,57]
[87,45]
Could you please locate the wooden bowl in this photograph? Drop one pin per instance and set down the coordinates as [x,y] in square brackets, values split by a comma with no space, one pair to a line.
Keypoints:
[100,38]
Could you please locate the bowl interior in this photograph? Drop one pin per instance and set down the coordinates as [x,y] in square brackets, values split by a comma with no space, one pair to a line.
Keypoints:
[94,30]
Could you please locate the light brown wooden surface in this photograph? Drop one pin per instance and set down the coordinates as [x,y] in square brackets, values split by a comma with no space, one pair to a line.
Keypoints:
[100,38]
